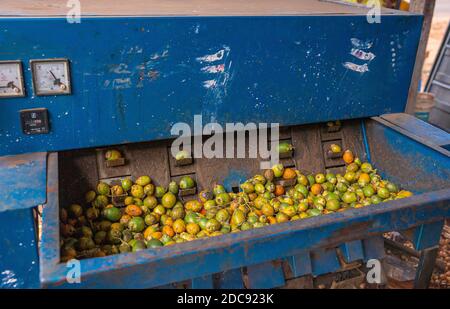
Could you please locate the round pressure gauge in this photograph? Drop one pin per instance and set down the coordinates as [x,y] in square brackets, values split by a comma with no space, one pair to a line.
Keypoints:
[11,79]
[51,76]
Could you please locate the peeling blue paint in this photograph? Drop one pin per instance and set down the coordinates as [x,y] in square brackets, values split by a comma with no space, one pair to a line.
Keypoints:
[23,181]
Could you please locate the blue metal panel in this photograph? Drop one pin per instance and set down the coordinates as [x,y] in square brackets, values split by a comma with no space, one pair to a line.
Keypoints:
[373,248]
[156,72]
[417,165]
[352,251]
[324,261]
[427,235]
[204,282]
[235,250]
[18,250]
[50,255]
[365,141]
[266,275]
[23,181]
[235,179]
[231,279]
[300,264]
[419,128]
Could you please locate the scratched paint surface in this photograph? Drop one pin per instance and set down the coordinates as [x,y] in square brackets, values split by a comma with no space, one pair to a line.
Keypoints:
[134,77]
[23,181]
[402,160]
[19,261]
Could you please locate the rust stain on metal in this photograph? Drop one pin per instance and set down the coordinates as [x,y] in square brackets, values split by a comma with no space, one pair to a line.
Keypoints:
[277,263]
[153,75]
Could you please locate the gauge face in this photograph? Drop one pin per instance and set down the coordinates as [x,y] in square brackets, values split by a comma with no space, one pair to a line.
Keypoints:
[51,76]
[11,79]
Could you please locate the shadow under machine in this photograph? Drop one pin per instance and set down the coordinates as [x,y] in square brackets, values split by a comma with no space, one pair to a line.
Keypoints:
[124,75]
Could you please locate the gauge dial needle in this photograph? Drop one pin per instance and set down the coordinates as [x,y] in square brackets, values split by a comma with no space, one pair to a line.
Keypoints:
[57,80]
[52,74]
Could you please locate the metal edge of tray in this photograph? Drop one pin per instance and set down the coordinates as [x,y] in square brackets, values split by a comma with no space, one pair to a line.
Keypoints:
[233,250]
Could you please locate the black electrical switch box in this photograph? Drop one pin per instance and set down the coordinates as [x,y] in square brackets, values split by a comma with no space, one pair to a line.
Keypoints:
[34,121]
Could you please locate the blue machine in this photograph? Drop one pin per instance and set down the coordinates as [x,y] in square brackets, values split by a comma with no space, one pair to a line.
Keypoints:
[124,75]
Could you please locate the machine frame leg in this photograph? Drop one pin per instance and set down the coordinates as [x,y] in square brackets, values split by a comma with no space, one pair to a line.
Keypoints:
[425,268]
